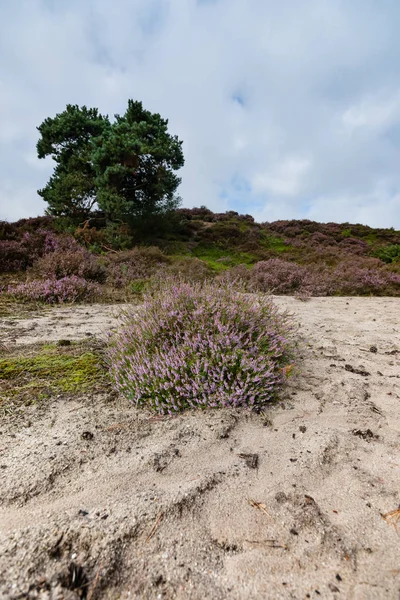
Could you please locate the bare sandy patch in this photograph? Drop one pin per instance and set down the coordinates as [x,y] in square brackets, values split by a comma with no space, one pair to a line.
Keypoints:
[99,500]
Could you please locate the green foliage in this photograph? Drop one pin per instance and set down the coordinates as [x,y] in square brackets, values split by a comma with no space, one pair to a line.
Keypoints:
[220,258]
[135,160]
[275,243]
[138,286]
[71,190]
[127,167]
[346,232]
[194,244]
[389,254]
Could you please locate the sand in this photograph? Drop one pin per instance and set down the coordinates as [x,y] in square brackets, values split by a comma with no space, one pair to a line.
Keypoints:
[99,500]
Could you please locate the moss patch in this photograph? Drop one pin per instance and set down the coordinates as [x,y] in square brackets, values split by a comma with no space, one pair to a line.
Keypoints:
[51,370]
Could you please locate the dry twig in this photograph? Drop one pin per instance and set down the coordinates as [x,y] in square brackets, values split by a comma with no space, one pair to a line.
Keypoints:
[115,427]
[259,505]
[95,582]
[268,543]
[392,518]
[155,526]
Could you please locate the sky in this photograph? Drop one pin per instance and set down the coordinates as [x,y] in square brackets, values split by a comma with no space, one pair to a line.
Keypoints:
[287,110]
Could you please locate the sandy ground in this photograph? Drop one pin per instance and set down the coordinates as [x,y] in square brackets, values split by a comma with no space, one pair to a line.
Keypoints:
[99,500]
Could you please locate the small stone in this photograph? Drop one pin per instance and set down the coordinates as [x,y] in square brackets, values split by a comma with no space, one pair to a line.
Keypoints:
[251,460]
[281,497]
[373,349]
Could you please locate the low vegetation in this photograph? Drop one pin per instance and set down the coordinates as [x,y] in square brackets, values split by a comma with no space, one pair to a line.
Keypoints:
[113,225]
[98,262]
[42,372]
[199,345]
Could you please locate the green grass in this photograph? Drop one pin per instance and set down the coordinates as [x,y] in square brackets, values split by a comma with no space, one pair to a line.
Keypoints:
[221,259]
[274,243]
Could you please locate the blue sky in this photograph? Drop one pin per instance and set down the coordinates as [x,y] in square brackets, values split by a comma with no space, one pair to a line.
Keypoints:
[287,109]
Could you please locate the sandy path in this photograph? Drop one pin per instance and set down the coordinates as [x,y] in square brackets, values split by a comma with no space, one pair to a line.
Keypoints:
[69,323]
[147,508]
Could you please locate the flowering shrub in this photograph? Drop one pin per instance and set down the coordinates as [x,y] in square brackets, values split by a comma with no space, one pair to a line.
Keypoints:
[283,277]
[278,276]
[351,279]
[56,291]
[39,243]
[66,262]
[18,254]
[14,231]
[138,263]
[14,257]
[201,345]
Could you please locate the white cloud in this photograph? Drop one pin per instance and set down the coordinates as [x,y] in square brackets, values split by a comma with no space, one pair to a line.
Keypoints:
[366,208]
[373,113]
[284,180]
[285,111]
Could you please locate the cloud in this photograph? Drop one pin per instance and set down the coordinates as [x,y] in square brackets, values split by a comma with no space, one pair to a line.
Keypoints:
[285,180]
[373,113]
[285,111]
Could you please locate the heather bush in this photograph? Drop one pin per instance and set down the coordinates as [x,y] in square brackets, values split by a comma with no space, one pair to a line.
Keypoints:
[138,263]
[320,239]
[239,274]
[225,234]
[13,256]
[18,254]
[8,231]
[56,291]
[14,231]
[351,278]
[202,213]
[277,275]
[68,261]
[201,345]
[138,286]
[283,277]
[189,268]
[354,246]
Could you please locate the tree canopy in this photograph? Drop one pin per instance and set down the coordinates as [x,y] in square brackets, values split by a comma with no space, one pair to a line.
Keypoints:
[126,167]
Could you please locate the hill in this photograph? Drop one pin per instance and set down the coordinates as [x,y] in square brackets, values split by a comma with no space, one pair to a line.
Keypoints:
[40,262]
